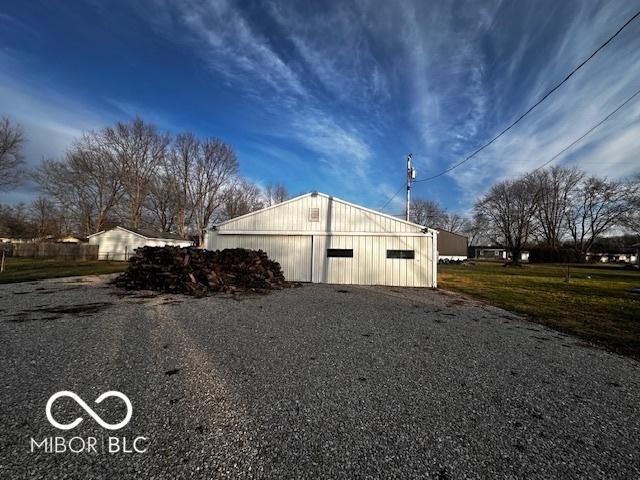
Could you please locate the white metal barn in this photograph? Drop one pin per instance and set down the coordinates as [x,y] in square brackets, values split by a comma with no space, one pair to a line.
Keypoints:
[119,243]
[321,239]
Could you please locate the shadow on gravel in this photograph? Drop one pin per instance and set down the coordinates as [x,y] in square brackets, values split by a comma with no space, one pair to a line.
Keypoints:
[80,310]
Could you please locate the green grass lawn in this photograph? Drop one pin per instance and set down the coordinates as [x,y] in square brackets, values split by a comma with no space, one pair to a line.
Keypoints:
[28,269]
[596,304]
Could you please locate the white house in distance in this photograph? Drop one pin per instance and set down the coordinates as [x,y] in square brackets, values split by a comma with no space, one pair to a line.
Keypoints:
[322,239]
[120,243]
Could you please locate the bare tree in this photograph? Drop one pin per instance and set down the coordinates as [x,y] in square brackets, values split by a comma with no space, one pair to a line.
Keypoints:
[14,221]
[11,158]
[240,198]
[275,193]
[86,182]
[596,206]
[476,229]
[509,208]
[215,167]
[139,150]
[555,187]
[45,217]
[428,213]
[181,164]
[162,202]
[631,220]
[454,223]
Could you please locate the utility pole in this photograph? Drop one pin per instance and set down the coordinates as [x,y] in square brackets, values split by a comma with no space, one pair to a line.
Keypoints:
[411,175]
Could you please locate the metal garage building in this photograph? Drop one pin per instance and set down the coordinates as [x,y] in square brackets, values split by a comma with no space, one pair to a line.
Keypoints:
[321,239]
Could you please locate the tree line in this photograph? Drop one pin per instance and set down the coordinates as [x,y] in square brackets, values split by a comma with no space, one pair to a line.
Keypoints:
[136,175]
[130,174]
[555,208]
[559,208]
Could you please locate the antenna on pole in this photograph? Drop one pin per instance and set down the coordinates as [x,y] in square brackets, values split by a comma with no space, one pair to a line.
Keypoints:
[411,175]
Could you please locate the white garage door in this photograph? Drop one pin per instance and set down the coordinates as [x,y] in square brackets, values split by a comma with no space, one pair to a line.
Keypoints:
[292,252]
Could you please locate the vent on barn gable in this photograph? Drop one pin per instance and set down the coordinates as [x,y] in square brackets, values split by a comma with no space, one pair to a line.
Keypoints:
[314,214]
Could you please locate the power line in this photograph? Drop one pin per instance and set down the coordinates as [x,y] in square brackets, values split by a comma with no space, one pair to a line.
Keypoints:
[572,144]
[577,140]
[394,196]
[530,109]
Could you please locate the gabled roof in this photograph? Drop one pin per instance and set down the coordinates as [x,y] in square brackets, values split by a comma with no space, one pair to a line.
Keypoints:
[145,233]
[440,230]
[328,197]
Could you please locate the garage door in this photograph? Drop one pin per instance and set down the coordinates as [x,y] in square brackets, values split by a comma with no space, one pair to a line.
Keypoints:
[292,252]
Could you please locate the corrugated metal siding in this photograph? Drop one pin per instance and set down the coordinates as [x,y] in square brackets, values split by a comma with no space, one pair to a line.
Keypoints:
[335,216]
[292,252]
[288,236]
[452,244]
[370,265]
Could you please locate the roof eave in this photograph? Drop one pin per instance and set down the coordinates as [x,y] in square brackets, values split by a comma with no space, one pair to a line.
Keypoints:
[421,227]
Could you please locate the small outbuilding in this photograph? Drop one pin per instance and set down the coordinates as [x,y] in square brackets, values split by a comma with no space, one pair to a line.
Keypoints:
[120,243]
[452,247]
[322,239]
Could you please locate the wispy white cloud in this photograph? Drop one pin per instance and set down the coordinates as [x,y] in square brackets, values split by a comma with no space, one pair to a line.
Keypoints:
[355,83]
[233,47]
[468,78]
[51,119]
[440,79]
[342,151]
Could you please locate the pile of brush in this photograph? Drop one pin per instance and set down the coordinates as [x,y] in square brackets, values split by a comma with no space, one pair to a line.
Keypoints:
[194,271]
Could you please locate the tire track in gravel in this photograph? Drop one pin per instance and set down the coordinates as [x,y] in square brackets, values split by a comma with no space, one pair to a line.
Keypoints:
[204,409]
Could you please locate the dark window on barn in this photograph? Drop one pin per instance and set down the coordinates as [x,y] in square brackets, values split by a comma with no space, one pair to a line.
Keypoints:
[400,254]
[340,252]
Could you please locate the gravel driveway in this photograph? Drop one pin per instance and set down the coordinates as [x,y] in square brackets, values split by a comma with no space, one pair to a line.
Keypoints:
[315,382]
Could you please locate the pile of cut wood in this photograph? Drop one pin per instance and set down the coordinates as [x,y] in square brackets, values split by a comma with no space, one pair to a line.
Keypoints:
[196,272]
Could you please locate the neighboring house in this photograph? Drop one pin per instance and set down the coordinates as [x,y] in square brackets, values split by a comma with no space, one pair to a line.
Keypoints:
[452,247]
[120,243]
[629,256]
[321,239]
[16,240]
[493,252]
[71,239]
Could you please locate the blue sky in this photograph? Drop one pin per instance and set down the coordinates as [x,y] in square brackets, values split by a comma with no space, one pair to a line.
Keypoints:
[331,96]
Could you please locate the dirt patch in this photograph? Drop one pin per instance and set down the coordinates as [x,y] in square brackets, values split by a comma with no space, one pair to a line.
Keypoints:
[73,287]
[23,317]
[57,312]
[172,302]
[584,343]
[457,302]
[79,309]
